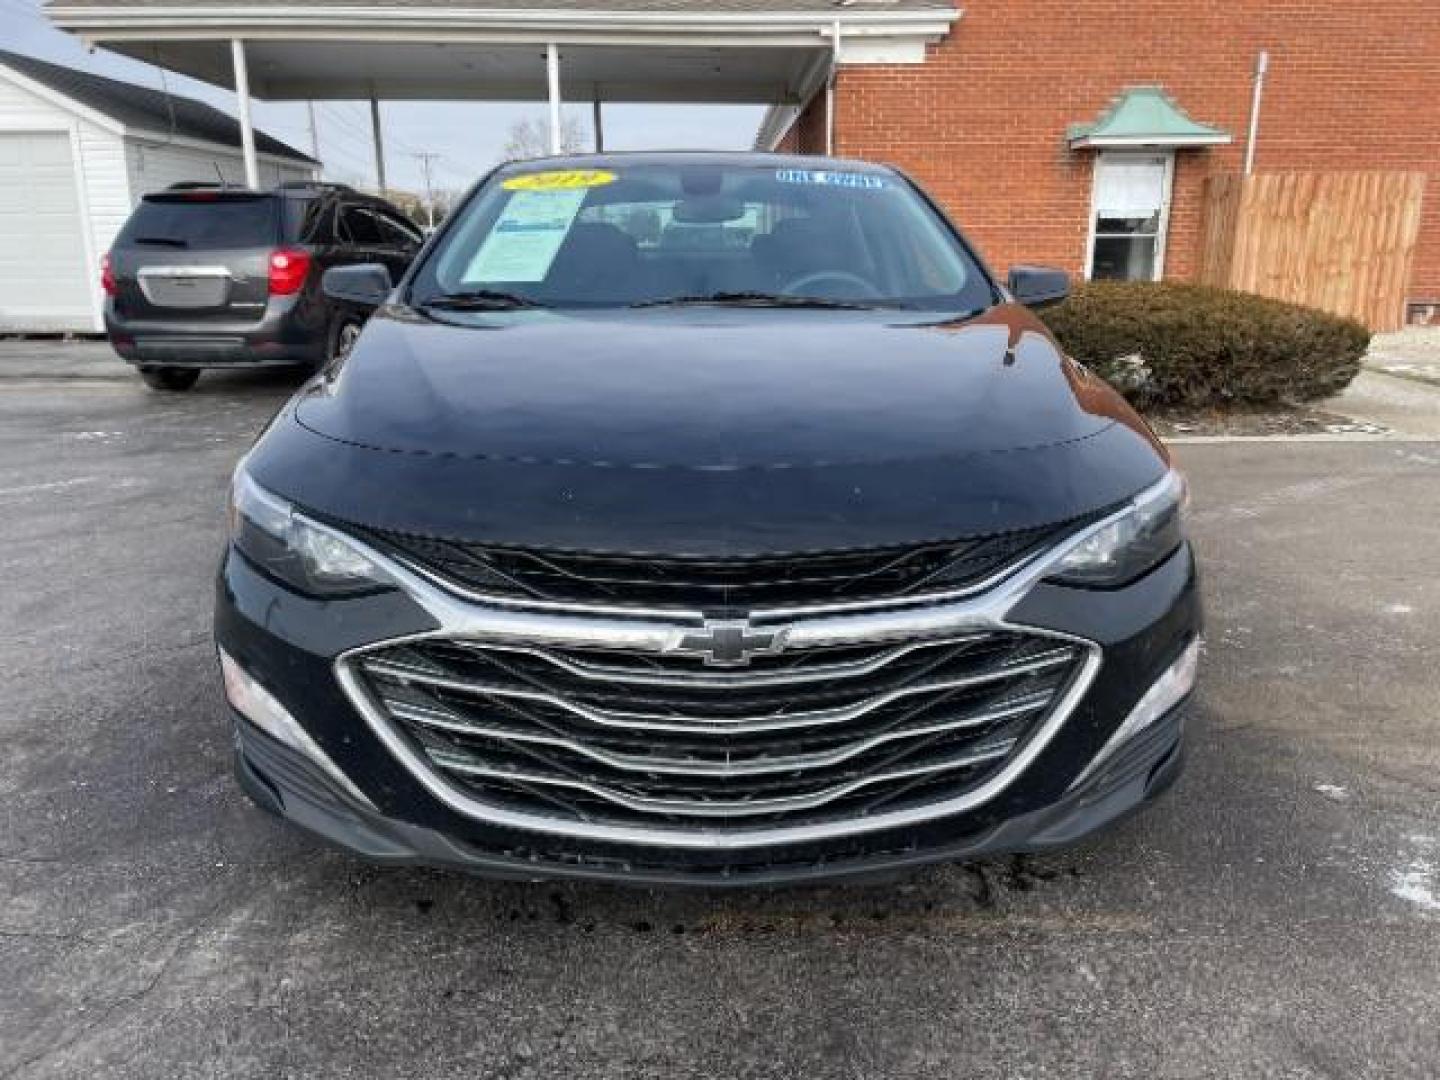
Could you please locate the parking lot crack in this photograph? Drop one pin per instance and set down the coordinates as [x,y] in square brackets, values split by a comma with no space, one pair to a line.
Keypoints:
[180,946]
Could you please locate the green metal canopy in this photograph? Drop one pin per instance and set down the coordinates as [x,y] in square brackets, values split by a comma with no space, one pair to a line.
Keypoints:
[1144,116]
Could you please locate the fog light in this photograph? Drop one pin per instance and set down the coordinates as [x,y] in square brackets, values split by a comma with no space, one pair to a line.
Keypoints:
[258,705]
[1164,694]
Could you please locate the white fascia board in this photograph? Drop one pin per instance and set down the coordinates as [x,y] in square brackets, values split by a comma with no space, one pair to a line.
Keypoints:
[164,138]
[61,101]
[858,50]
[99,23]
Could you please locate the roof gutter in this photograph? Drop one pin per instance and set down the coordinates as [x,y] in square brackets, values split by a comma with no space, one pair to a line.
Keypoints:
[190,22]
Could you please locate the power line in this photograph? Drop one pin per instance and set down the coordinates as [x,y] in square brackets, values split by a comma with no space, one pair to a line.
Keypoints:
[356,128]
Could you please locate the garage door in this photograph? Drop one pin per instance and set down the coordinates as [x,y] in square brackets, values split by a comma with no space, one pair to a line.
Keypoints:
[44,276]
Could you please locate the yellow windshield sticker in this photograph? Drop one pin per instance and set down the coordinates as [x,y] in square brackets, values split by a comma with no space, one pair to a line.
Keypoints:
[560,180]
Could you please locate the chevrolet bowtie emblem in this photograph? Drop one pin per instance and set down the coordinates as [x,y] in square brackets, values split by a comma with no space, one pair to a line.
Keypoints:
[728,642]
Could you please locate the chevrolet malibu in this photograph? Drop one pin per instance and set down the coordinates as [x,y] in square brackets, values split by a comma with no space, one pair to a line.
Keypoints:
[704,518]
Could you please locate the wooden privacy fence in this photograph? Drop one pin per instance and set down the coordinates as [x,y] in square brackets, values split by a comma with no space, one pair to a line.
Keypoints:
[1341,242]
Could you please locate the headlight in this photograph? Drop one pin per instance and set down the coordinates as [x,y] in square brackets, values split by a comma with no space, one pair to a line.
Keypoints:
[1148,531]
[307,556]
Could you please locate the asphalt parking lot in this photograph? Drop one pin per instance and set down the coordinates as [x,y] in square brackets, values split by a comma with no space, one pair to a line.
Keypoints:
[1276,915]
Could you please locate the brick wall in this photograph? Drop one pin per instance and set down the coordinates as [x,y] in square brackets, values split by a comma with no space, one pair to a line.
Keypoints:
[981,124]
[807,134]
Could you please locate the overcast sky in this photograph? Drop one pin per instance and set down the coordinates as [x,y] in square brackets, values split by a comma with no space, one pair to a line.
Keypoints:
[469,136]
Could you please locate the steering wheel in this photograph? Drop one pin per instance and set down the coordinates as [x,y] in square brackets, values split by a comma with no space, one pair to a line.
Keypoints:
[804,284]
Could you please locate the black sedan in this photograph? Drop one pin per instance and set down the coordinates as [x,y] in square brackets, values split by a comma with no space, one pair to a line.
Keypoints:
[704,518]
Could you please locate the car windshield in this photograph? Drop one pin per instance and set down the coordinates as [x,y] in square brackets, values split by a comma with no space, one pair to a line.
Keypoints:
[682,233]
[202,221]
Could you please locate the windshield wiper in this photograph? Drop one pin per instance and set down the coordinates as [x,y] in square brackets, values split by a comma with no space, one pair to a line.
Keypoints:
[755,299]
[480,300]
[161,241]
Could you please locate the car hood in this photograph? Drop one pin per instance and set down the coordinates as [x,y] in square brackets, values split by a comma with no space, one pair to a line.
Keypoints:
[714,429]
[708,389]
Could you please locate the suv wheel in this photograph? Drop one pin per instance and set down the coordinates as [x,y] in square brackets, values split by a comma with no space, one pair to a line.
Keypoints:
[170,378]
[344,332]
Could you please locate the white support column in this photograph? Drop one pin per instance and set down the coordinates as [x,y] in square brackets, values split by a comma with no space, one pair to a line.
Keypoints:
[830,88]
[552,72]
[242,97]
[379,139]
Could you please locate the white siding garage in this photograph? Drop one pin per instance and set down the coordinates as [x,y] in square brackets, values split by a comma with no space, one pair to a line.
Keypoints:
[44,272]
[77,151]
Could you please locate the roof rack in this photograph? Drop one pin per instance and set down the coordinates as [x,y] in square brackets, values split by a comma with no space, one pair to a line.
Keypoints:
[197,185]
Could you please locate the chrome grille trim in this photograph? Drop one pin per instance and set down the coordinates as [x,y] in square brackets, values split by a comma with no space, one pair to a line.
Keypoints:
[730,808]
[679,767]
[906,620]
[762,614]
[747,679]
[729,725]
[710,839]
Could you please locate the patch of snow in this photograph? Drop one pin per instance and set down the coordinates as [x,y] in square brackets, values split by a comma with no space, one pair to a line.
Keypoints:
[1416,882]
[54,485]
[1357,427]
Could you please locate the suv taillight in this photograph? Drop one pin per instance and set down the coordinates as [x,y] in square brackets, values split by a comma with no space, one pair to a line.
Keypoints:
[289,268]
[107,275]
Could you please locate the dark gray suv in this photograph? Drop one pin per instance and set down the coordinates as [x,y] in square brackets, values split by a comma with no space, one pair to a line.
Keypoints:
[209,276]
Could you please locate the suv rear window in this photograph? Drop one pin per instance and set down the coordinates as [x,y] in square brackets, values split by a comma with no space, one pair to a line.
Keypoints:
[202,221]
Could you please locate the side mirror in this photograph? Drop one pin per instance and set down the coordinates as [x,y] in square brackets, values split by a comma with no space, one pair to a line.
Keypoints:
[1038,286]
[365,284]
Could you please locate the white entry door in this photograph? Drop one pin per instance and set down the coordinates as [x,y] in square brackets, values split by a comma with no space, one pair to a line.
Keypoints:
[44,277]
[1129,214]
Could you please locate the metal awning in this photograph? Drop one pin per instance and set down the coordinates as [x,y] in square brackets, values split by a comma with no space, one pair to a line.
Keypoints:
[1144,116]
[679,51]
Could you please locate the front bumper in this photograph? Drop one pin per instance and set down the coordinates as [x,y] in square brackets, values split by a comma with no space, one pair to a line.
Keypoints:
[290,786]
[289,645]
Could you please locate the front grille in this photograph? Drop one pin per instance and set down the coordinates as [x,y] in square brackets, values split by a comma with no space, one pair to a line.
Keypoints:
[802,736]
[716,585]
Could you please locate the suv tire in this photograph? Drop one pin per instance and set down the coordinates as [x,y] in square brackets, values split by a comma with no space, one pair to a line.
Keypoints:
[170,378]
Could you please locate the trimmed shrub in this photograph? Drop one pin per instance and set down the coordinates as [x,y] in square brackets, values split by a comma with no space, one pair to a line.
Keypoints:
[1167,345]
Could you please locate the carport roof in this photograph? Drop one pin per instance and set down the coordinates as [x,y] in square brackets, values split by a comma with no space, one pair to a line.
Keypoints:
[141,109]
[259,9]
[760,51]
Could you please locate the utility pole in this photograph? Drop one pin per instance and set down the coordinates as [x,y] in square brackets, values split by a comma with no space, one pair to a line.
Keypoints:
[314,131]
[379,139]
[425,158]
